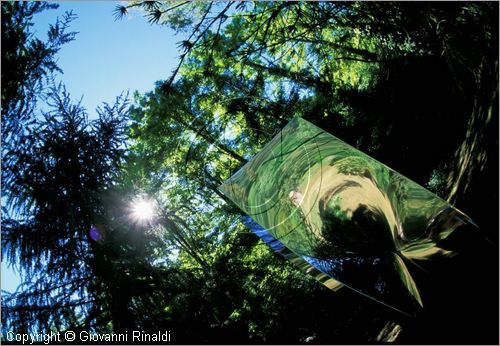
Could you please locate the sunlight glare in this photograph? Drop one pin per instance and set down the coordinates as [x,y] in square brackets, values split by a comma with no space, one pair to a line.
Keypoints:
[143,210]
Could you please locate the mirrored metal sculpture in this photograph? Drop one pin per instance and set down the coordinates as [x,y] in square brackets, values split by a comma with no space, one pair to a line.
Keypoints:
[341,215]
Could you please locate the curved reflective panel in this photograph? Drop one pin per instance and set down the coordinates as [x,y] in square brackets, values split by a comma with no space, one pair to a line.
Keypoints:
[341,214]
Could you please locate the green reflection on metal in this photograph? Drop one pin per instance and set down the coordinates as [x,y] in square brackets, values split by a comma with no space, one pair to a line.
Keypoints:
[350,216]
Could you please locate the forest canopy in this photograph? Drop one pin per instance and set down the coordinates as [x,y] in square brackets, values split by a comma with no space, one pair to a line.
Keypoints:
[413,84]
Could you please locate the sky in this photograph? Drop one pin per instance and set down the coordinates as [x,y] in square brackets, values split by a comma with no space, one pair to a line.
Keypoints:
[106,58]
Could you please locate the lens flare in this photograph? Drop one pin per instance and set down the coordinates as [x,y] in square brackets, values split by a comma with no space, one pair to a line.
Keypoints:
[95,233]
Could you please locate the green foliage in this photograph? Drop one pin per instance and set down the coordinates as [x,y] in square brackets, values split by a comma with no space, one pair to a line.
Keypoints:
[360,70]
[27,62]
[389,78]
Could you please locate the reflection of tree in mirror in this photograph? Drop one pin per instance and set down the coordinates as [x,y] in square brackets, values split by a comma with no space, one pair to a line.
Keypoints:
[365,232]
[353,165]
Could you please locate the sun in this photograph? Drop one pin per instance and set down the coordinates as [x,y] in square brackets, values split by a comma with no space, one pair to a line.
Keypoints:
[143,210]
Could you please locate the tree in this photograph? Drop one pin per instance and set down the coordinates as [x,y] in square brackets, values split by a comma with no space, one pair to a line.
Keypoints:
[345,59]
[27,62]
[63,167]
[359,70]
[391,79]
